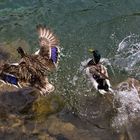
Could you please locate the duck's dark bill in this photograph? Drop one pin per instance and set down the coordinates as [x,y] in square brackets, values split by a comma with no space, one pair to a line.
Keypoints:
[8,78]
[54,54]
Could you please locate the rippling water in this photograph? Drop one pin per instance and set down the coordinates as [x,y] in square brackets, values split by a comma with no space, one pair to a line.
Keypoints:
[128,55]
[111,26]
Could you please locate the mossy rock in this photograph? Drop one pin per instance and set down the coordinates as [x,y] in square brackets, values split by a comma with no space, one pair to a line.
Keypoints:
[3,112]
[45,106]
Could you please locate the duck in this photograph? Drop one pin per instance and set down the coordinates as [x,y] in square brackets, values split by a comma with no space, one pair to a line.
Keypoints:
[97,73]
[32,69]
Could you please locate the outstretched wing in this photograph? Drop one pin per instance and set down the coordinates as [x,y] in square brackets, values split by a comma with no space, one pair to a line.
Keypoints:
[49,44]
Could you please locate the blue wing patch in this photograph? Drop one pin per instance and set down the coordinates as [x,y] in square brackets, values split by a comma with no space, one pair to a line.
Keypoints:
[10,79]
[54,54]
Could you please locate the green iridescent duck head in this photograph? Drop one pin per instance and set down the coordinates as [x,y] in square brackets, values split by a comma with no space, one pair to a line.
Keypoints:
[96,55]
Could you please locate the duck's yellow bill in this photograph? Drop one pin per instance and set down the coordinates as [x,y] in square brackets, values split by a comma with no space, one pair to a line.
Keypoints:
[91,50]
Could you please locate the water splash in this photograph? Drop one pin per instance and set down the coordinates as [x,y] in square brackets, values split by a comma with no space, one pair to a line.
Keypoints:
[126,101]
[128,55]
[90,103]
[127,105]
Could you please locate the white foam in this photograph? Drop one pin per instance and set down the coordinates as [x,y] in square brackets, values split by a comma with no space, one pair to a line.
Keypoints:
[129,106]
[128,55]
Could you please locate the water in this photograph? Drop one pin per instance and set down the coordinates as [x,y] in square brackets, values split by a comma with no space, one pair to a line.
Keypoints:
[128,107]
[111,26]
[128,55]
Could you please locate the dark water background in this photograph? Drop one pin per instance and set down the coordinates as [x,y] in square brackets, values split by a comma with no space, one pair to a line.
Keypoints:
[80,25]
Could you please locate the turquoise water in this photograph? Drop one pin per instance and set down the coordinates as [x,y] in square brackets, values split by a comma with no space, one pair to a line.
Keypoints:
[80,25]
[111,26]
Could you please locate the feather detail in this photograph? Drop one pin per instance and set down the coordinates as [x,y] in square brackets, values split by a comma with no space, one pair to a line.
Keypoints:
[47,35]
[9,78]
[54,54]
[31,69]
[48,44]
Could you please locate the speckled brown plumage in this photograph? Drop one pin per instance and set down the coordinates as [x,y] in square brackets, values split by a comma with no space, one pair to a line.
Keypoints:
[32,69]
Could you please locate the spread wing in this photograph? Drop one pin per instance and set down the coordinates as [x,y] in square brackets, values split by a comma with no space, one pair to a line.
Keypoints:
[49,45]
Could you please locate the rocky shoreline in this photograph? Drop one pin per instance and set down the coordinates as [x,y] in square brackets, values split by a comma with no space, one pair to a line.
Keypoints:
[25,115]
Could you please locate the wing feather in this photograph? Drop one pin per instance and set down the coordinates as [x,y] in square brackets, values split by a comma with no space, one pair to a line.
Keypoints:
[31,69]
[48,35]
[48,43]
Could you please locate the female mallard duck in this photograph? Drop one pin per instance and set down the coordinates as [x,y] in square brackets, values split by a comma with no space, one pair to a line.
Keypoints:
[98,74]
[32,69]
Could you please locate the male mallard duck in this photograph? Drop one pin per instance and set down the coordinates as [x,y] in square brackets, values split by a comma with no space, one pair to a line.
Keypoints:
[32,69]
[98,74]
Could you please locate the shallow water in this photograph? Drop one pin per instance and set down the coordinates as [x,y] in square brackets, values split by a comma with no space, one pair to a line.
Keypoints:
[111,26]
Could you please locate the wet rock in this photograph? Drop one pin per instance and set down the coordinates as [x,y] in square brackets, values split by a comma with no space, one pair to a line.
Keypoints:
[46,137]
[61,137]
[127,103]
[44,106]
[97,110]
[18,100]
[129,84]
[56,126]
[3,112]
[93,123]
[17,106]
[66,130]
[102,112]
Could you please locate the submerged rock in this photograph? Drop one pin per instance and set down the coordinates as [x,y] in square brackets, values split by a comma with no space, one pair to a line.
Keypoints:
[66,131]
[112,115]
[16,101]
[93,121]
[129,84]
[127,104]
[3,112]
[28,100]
[45,106]
[15,122]
[25,112]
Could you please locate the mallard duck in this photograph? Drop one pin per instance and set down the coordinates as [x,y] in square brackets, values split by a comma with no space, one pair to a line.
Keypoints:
[97,73]
[32,69]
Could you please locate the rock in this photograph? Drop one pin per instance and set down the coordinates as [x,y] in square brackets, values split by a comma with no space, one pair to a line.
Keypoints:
[17,101]
[16,108]
[3,112]
[127,104]
[45,136]
[66,130]
[129,84]
[44,106]
[56,126]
